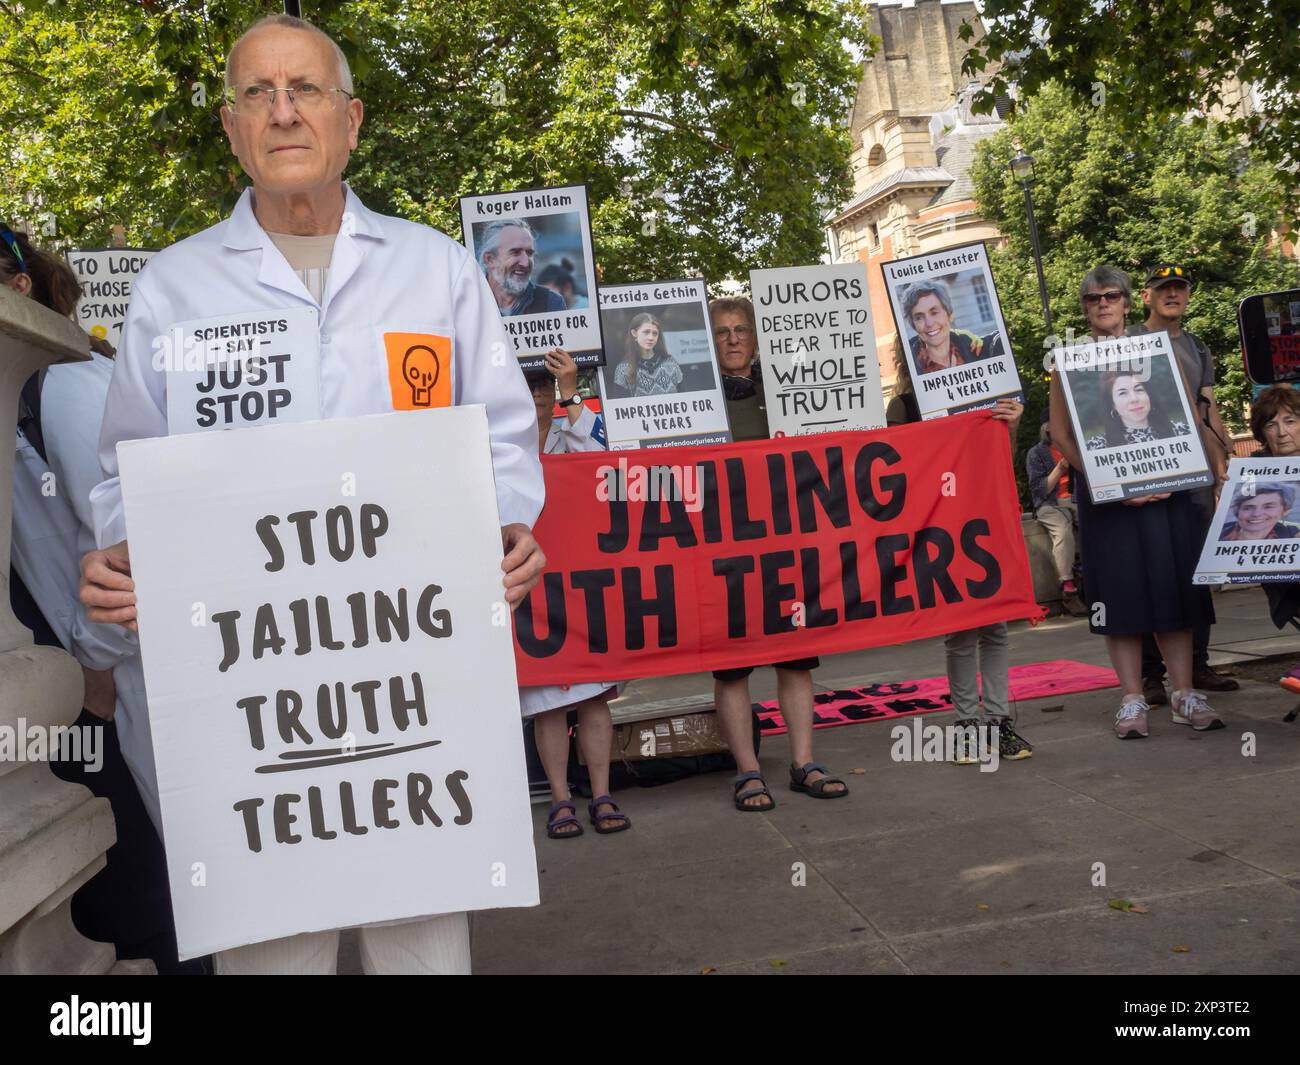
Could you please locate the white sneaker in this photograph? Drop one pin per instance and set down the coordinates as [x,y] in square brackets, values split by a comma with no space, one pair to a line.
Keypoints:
[1131,721]
[1190,707]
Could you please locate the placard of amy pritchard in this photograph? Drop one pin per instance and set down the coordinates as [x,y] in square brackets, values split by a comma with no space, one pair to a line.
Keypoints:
[331,678]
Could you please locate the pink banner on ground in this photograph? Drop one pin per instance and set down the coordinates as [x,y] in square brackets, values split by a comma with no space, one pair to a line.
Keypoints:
[880,702]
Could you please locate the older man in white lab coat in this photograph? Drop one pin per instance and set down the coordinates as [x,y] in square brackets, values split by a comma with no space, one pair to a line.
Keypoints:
[378,286]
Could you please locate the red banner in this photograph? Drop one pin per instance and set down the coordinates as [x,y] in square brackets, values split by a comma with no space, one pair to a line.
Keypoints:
[678,560]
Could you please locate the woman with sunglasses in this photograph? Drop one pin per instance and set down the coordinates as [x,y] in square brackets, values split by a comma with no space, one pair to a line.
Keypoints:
[1138,555]
[127,903]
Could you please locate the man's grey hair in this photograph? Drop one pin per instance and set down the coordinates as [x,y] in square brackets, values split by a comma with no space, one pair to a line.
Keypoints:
[490,239]
[917,292]
[290,22]
[1105,277]
[1252,489]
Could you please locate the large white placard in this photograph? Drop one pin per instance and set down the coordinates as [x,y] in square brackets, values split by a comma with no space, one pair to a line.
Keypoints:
[107,276]
[1131,417]
[240,370]
[947,312]
[817,347]
[660,384]
[1255,537]
[330,673]
[534,248]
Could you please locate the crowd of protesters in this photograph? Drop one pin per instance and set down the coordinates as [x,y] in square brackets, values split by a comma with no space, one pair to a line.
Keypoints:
[1127,566]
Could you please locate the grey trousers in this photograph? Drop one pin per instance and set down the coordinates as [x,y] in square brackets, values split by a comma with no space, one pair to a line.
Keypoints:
[1061,520]
[982,651]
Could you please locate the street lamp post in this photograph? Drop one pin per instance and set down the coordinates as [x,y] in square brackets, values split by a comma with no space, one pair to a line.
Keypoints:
[1022,169]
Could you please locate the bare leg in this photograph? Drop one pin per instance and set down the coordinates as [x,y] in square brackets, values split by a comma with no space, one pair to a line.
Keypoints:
[1126,656]
[1176,650]
[551,731]
[735,715]
[595,735]
[794,690]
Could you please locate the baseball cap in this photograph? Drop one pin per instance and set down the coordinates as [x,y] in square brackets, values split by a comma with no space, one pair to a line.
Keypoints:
[1163,273]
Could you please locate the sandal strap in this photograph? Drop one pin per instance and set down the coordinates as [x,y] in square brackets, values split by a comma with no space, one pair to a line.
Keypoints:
[804,770]
[753,793]
[745,778]
[563,804]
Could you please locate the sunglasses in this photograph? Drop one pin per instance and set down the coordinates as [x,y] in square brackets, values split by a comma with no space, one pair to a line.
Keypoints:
[11,242]
[1168,271]
[1094,298]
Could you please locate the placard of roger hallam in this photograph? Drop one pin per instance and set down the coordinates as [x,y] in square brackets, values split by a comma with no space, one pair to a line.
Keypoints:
[534,248]
[330,674]
[1131,416]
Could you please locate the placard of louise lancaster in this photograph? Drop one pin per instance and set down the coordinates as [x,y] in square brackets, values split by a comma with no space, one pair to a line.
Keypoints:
[331,677]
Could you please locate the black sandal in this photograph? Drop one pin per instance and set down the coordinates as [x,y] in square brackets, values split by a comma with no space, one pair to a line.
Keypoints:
[751,793]
[553,822]
[598,820]
[817,789]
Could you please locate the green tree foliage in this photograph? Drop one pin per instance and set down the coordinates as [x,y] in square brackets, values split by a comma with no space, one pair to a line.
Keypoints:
[710,132]
[1155,62]
[1197,197]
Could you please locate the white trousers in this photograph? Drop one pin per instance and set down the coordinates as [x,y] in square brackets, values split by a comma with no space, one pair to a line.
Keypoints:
[434,946]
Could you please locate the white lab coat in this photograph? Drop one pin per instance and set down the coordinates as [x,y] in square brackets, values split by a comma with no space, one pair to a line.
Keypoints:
[564,438]
[386,275]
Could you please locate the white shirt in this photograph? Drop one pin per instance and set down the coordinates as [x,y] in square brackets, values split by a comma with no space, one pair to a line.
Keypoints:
[52,525]
[386,275]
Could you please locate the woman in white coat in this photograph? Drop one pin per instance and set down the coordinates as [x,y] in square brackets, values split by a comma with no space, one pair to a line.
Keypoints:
[550,705]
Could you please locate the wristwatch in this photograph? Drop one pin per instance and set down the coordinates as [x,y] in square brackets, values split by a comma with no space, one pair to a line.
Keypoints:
[574,400]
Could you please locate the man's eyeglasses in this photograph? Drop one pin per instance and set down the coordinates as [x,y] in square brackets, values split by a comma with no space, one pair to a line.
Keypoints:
[11,242]
[724,332]
[305,97]
[1092,299]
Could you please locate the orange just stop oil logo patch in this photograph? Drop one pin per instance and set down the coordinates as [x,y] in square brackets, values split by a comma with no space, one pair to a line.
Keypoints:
[419,370]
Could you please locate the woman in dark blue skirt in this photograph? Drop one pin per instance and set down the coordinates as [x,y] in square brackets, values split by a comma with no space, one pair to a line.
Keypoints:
[1139,555]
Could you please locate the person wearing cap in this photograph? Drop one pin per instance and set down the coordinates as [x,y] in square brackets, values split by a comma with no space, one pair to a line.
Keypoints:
[1166,294]
[736,336]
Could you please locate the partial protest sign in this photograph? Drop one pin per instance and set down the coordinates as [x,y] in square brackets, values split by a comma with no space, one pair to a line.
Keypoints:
[660,384]
[1255,536]
[817,347]
[240,370]
[770,550]
[534,248]
[330,674]
[107,276]
[947,312]
[1131,417]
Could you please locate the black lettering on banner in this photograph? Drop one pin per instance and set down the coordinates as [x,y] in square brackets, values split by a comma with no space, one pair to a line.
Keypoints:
[271,542]
[780,490]
[455,788]
[709,497]
[654,529]
[742,527]
[832,492]
[895,484]
[332,725]
[662,606]
[557,622]
[992,580]
[776,594]
[892,573]
[815,615]
[733,570]
[932,571]
[592,583]
[855,609]
[615,539]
